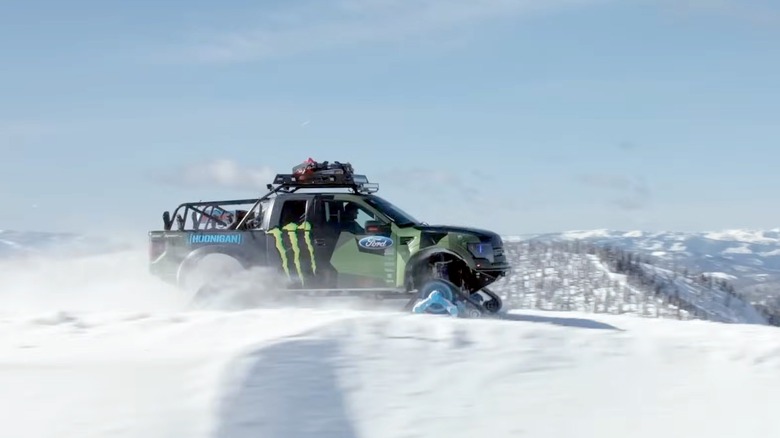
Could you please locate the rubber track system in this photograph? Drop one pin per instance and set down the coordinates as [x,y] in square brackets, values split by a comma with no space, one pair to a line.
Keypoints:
[475,309]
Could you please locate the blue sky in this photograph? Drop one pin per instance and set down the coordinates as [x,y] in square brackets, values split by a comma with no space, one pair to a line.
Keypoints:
[523,116]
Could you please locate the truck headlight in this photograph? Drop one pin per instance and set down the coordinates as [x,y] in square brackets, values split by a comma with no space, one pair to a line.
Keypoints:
[481,250]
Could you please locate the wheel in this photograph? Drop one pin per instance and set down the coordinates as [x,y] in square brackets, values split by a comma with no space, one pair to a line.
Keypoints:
[490,301]
[472,312]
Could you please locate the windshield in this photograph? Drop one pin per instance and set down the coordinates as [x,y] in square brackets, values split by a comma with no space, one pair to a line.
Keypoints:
[395,214]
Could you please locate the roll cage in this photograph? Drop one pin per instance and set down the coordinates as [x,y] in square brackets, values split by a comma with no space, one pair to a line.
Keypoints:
[201,211]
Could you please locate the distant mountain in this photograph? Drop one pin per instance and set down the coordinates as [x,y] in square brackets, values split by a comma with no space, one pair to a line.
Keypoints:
[29,243]
[749,259]
[575,275]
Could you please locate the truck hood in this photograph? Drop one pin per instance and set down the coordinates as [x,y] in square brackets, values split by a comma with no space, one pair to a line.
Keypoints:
[486,234]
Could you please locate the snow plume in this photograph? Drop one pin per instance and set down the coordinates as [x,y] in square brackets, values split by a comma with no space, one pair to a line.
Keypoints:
[117,281]
[68,281]
[222,173]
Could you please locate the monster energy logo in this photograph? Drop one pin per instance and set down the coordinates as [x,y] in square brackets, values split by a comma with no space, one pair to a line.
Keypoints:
[291,230]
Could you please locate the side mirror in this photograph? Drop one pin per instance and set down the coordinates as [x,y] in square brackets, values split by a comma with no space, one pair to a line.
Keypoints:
[376,227]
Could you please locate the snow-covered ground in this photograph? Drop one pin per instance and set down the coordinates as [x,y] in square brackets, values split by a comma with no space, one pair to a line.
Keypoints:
[93,347]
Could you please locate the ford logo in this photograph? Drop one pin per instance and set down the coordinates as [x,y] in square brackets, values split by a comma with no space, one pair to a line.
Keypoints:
[375,242]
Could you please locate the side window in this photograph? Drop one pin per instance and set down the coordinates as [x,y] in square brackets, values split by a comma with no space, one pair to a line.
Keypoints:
[206,223]
[361,215]
[353,217]
[347,216]
[293,211]
[256,216]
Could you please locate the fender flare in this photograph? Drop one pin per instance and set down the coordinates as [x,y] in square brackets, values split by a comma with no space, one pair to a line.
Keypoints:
[419,257]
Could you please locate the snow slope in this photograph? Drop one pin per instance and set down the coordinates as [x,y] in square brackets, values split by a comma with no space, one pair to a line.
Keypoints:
[719,305]
[114,354]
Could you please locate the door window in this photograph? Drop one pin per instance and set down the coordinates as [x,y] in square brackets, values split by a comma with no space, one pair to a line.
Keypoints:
[347,216]
[293,211]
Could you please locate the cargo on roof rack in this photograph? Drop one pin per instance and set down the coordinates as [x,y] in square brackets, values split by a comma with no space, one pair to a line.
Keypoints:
[312,174]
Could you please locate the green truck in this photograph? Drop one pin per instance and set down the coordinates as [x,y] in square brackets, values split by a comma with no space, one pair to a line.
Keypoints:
[323,231]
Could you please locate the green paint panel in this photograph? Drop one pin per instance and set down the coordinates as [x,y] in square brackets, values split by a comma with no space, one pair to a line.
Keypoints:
[349,259]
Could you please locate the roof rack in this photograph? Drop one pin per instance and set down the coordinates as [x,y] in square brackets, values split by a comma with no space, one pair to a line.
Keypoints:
[291,182]
[322,175]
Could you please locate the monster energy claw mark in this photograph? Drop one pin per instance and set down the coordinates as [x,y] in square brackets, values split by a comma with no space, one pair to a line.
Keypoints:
[277,233]
[307,238]
[291,231]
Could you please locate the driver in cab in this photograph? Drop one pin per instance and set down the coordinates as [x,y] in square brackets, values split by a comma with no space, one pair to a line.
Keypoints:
[349,220]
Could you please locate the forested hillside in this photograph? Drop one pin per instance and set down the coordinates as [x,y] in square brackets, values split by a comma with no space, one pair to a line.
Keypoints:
[580,276]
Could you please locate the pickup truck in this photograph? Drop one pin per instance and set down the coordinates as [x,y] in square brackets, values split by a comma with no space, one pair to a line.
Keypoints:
[324,230]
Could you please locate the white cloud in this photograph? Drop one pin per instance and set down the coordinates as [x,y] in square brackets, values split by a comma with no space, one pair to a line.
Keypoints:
[220,173]
[338,23]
